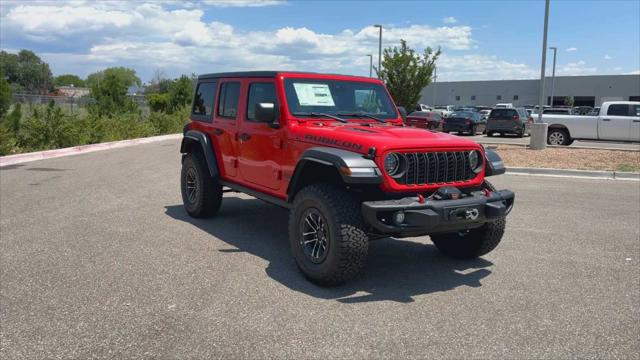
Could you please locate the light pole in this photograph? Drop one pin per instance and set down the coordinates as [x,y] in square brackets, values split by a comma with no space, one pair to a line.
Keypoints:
[539,129]
[370,65]
[553,73]
[379,49]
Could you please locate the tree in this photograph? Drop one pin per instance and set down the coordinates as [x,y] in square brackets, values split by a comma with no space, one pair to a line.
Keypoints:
[406,73]
[110,94]
[5,96]
[568,101]
[27,71]
[68,79]
[124,75]
[181,92]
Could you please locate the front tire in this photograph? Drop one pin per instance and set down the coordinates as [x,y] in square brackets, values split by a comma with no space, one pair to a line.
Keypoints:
[201,193]
[326,234]
[472,243]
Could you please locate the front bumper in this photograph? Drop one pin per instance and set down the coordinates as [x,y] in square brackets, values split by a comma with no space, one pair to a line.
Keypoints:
[436,216]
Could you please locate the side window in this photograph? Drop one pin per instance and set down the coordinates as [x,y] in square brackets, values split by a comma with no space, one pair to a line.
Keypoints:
[618,110]
[228,99]
[203,101]
[260,93]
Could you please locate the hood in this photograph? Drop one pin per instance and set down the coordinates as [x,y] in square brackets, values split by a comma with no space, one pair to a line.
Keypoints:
[359,137]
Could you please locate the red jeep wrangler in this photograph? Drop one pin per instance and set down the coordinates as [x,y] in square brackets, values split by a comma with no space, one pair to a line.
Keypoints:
[335,151]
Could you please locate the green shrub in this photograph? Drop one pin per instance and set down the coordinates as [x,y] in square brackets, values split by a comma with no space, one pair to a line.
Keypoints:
[159,102]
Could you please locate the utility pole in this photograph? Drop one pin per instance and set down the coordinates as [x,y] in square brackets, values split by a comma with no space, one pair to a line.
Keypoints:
[379,49]
[553,73]
[539,129]
[370,65]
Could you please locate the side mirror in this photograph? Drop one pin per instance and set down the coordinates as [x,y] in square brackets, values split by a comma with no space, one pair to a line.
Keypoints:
[266,113]
[403,113]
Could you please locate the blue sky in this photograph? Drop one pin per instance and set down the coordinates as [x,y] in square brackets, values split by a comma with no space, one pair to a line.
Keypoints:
[479,39]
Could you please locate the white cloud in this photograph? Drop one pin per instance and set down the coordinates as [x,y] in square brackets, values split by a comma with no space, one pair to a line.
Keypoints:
[577,68]
[175,37]
[449,20]
[243,3]
[634,72]
[481,67]
[572,49]
[607,57]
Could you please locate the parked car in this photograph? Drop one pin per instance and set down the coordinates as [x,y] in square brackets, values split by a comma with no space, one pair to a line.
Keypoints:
[445,110]
[343,165]
[560,111]
[469,122]
[582,110]
[431,120]
[509,121]
[423,107]
[595,111]
[504,106]
[485,114]
[616,121]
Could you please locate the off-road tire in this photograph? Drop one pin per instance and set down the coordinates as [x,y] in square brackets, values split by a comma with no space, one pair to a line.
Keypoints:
[206,201]
[347,241]
[472,243]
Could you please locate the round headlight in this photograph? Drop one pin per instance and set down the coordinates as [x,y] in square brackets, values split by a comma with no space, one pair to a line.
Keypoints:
[392,164]
[475,161]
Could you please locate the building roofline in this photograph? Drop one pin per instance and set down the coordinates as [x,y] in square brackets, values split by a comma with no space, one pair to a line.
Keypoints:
[538,79]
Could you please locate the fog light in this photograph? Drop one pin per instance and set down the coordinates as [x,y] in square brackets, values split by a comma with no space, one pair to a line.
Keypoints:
[398,218]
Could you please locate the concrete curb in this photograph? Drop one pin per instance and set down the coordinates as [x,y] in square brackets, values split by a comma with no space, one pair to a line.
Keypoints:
[83,149]
[585,174]
[555,146]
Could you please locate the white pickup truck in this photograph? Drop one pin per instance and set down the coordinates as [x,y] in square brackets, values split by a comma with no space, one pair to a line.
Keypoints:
[617,121]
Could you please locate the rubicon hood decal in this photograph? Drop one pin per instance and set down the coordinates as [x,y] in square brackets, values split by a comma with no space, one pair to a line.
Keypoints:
[335,142]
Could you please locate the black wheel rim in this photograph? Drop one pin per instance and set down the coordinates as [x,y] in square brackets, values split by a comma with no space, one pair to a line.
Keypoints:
[192,187]
[314,237]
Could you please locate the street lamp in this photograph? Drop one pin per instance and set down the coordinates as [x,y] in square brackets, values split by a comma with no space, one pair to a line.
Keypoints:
[539,129]
[379,49]
[553,73]
[370,65]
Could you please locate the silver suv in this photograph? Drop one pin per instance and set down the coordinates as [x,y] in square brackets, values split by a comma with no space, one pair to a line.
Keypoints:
[509,121]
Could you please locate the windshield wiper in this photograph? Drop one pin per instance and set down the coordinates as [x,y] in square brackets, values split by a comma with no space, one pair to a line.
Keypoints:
[316,114]
[363,115]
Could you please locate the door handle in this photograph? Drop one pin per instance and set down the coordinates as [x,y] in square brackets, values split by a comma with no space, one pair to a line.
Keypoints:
[606,120]
[244,137]
[218,131]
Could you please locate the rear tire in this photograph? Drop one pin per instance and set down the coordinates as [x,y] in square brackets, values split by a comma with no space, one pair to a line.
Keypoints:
[201,193]
[472,243]
[329,214]
[558,137]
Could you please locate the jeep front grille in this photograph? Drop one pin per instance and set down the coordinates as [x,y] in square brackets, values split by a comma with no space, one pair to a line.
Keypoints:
[436,167]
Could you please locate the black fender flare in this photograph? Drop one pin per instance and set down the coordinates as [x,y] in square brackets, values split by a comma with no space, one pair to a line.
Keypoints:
[354,168]
[493,164]
[190,138]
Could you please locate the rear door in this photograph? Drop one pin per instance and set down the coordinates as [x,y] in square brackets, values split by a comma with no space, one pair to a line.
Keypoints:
[260,144]
[225,124]
[615,124]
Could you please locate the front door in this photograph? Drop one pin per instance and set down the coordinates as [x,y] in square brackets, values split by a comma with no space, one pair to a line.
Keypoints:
[259,143]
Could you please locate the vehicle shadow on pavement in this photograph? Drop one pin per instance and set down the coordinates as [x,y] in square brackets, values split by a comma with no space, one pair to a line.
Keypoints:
[396,270]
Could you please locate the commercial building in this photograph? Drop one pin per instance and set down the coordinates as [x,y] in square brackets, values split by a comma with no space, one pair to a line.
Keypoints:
[585,91]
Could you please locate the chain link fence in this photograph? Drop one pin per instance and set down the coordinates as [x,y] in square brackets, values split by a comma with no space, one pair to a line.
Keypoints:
[70,103]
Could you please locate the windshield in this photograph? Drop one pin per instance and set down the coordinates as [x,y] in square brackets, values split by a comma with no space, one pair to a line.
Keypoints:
[337,97]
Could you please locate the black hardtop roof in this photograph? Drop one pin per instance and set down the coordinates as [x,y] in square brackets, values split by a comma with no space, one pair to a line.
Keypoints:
[260,74]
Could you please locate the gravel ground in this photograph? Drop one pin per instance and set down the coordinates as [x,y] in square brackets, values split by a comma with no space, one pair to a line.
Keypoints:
[568,158]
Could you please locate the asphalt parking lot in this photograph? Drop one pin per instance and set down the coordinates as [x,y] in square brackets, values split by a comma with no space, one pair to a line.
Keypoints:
[512,139]
[98,259]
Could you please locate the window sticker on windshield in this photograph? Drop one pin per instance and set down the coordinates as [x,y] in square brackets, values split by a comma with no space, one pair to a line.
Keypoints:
[313,94]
